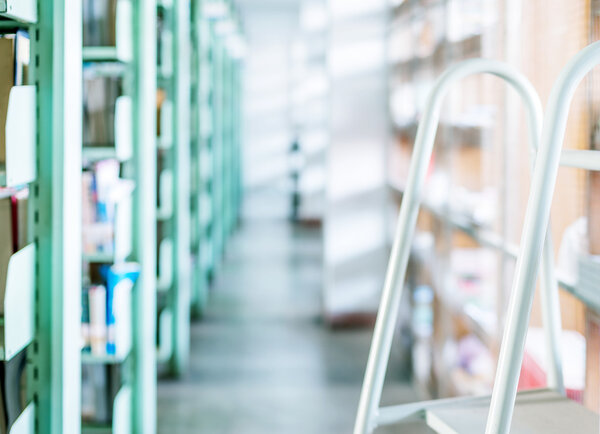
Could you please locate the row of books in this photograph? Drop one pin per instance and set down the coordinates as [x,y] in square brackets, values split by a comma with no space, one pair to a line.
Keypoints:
[100,95]
[102,190]
[107,311]
[106,316]
[99,387]
[99,22]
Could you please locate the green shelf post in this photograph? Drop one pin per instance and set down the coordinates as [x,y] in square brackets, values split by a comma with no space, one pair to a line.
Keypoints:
[200,283]
[181,289]
[217,145]
[57,195]
[238,145]
[209,145]
[207,128]
[165,226]
[144,245]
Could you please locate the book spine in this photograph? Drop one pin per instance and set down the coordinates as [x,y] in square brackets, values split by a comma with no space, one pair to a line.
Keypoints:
[110,315]
[97,304]
[85,320]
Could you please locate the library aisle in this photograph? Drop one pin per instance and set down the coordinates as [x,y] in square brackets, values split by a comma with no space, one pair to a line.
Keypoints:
[296,216]
[261,360]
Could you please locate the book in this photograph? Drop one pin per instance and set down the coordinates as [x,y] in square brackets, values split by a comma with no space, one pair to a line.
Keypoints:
[22,47]
[20,219]
[97,315]
[120,279]
[102,191]
[86,345]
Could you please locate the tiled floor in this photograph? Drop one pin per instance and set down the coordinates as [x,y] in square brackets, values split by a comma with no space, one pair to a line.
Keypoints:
[262,362]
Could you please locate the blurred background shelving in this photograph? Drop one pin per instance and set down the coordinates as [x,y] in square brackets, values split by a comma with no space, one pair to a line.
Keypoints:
[184,178]
[475,195]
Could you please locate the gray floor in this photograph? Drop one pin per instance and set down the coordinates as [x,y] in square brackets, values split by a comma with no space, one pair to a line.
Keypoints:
[262,362]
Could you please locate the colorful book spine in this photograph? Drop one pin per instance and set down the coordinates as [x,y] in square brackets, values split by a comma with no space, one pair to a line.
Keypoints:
[120,279]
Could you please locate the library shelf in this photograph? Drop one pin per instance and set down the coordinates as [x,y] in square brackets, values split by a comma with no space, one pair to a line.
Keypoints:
[130,54]
[485,237]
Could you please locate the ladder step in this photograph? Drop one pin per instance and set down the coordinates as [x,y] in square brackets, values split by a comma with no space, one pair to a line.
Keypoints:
[536,411]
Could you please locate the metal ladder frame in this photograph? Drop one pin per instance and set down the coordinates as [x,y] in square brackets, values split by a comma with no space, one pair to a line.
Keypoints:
[369,414]
[537,218]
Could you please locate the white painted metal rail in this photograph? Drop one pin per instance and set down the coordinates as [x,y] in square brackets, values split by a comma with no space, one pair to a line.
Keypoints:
[532,240]
[369,414]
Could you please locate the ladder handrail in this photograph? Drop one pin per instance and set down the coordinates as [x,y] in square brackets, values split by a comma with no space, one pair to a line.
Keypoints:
[537,217]
[396,271]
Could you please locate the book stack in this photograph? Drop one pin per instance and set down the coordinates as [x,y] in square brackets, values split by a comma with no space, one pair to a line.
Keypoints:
[100,95]
[99,23]
[102,190]
[99,387]
[107,311]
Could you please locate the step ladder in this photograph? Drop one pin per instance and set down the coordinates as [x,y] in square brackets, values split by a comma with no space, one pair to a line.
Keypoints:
[541,411]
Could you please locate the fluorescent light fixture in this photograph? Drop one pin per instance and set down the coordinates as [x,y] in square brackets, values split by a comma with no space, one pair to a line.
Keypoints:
[215,10]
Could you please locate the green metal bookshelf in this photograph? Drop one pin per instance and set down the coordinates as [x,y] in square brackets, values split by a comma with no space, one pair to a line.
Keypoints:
[194,203]
[132,59]
[173,223]
[199,183]
[41,153]
[54,360]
